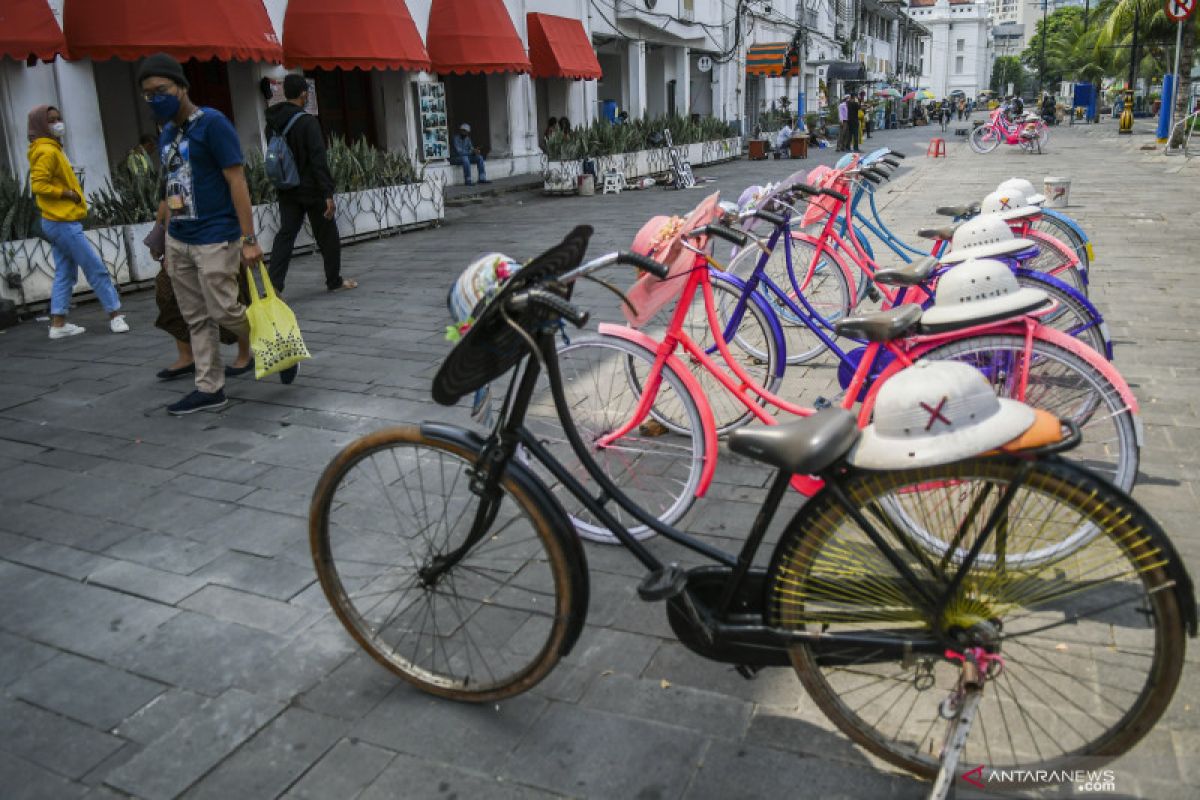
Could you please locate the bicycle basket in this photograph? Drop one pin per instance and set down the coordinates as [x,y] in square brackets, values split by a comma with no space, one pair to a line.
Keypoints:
[491,347]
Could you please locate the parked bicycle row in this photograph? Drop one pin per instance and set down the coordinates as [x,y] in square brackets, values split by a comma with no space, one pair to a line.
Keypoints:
[968,582]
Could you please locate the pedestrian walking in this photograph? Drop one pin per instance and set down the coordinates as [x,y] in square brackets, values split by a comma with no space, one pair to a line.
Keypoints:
[210,222]
[463,151]
[852,114]
[312,197]
[59,197]
[843,126]
[962,108]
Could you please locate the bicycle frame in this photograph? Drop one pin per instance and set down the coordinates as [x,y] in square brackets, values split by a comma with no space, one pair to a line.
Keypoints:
[752,643]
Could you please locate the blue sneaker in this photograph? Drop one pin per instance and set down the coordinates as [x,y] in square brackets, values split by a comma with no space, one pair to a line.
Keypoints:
[198,401]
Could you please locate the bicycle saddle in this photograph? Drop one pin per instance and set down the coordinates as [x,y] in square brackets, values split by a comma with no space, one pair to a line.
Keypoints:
[959,211]
[801,447]
[944,232]
[907,274]
[882,326]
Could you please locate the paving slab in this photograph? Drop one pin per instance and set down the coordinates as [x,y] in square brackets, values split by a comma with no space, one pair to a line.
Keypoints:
[163,633]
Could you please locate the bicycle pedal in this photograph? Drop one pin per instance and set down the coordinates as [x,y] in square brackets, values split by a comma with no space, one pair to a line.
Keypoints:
[663,584]
[747,671]
[874,294]
[821,403]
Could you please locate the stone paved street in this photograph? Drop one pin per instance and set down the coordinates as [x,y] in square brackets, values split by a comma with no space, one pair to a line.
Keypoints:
[163,635]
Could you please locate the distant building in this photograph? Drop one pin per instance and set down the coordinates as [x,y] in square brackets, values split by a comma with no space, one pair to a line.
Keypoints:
[958,54]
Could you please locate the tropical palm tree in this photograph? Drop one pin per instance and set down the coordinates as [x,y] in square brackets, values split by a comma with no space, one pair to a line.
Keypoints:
[1152,22]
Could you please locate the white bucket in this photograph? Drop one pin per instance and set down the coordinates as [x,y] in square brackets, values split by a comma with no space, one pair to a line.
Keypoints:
[1057,191]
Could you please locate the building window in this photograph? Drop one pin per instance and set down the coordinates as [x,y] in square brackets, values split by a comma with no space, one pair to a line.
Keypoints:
[958,65]
[960,45]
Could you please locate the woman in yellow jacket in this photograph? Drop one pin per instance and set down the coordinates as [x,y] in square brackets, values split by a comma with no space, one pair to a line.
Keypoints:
[60,198]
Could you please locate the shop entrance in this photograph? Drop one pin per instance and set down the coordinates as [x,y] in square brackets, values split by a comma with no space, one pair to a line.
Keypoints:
[344,103]
[467,101]
[209,85]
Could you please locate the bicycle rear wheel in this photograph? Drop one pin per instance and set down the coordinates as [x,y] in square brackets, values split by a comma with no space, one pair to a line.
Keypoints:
[659,470]
[1053,226]
[1068,313]
[488,627]
[1055,259]
[1092,644]
[1065,385]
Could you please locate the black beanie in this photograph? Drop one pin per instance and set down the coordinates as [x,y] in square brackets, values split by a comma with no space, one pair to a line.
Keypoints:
[161,65]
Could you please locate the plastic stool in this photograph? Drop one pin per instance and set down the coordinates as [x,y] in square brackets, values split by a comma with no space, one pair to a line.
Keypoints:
[614,182]
[937,147]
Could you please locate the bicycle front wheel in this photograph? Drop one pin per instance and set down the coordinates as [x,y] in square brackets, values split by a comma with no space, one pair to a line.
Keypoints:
[1064,384]
[822,282]
[658,469]
[1091,646]
[983,139]
[386,512]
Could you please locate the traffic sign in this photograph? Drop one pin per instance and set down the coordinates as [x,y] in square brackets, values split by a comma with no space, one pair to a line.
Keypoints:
[1179,10]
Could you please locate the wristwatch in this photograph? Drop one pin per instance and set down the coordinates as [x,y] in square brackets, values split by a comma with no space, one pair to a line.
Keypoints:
[251,239]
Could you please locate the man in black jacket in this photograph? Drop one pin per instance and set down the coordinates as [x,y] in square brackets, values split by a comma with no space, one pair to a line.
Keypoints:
[313,197]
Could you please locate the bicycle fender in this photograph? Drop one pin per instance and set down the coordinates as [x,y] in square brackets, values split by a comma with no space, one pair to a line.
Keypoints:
[694,389]
[1070,222]
[763,306]
[560,522]
[1077,295]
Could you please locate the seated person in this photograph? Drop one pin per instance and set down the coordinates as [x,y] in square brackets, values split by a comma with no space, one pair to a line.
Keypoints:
[463,151]
[783,137]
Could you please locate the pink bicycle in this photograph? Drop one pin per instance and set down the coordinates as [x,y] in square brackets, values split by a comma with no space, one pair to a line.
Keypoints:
[1029,132]
[650,408]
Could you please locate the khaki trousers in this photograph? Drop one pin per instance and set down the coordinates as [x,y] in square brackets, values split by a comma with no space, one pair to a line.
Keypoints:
[205,279]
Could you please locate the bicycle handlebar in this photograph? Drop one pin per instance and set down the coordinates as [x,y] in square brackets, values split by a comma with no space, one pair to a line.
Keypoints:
[551,302]
[778,220]
[721,232]
[646,263]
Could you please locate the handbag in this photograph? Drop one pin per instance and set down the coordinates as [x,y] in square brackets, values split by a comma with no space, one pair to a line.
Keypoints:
[156,241]
[274,334]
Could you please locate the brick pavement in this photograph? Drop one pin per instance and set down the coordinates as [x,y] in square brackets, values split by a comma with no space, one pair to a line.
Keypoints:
[163,634]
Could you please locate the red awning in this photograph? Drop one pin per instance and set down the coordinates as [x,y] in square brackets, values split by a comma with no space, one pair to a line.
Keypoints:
[229,30]
[28,28]
[474,36]
[369,34]
[559,48]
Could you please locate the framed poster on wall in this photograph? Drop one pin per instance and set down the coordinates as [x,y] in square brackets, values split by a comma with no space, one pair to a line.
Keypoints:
[431,108]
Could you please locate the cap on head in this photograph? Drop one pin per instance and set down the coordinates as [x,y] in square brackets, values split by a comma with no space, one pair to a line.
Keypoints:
[294,85]
[465,128]
[161,65]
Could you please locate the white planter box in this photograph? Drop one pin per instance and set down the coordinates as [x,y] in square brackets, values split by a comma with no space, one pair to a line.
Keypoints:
[33,261]
[141,266]
[561,177]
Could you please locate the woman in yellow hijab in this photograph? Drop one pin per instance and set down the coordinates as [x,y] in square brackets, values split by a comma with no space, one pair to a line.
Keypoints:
[60,197]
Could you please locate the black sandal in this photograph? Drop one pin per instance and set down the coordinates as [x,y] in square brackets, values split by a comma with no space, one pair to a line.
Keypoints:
[171,374]
[232,371]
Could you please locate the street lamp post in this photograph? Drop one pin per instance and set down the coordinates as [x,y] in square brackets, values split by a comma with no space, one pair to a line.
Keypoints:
[1042,57]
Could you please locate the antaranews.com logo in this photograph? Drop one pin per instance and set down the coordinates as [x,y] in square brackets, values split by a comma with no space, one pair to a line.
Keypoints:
[1081,781]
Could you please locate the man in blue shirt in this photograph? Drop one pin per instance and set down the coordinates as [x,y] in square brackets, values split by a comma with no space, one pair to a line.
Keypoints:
[210,234]
[463,151]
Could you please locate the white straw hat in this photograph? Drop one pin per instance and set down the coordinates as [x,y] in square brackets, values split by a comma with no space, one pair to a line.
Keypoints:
[937,412]
[985,236]
[1032,196]
[1008,204]
[979,291]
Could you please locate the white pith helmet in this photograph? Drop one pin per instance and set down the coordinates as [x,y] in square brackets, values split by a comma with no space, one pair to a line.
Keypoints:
[937,412]
[985,236]
[980,290]
[1008,204]
[1032,196]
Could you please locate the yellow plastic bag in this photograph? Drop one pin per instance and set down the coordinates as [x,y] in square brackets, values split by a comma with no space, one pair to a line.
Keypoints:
[274,335]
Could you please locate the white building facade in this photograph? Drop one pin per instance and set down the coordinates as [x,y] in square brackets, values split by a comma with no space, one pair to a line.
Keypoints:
[958,55]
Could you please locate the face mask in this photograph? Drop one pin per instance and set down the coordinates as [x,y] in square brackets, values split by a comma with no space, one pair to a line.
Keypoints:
[58,128]
[164,107]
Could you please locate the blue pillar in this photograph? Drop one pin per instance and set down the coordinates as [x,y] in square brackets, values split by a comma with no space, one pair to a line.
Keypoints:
[1164,113]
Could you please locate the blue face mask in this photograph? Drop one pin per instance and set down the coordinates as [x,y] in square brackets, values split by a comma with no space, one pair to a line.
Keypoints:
[164,107]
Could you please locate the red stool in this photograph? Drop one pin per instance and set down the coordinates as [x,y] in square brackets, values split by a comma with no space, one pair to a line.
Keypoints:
[937,147]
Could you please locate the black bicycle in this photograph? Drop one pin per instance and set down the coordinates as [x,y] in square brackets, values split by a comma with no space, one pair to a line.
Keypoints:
[451,562]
